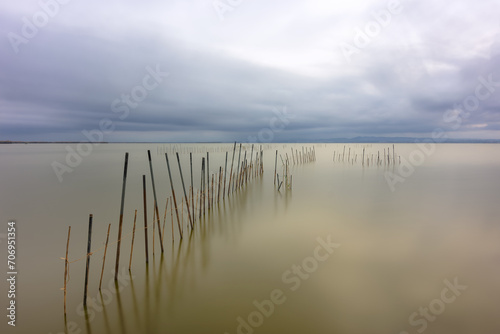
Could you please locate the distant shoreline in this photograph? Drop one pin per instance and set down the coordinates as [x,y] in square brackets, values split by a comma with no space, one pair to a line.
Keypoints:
[331,141]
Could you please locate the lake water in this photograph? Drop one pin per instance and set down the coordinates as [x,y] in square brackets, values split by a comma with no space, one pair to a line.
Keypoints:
[351,248]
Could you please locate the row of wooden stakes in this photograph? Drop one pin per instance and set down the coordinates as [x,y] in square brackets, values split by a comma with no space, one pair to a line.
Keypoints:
[386,159]
[207,196]
[305,156]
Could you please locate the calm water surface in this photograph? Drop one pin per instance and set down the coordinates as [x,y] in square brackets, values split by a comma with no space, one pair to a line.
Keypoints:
[257,261]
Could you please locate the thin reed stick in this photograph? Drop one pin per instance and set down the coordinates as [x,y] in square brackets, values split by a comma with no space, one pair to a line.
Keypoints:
[172,218]
[231,173]
[145,216]
[104,257]
[275,165]
[165,218]
[156,204]
[208,181]
[185,194]
[173,195]
[225,172]
[192,186]
[120,224]
[201,185]
[211,199]
[154,228]
[182,214]
[238,168]
[66,264]
[251,156]
[89,242]
[218,190]
[132,246]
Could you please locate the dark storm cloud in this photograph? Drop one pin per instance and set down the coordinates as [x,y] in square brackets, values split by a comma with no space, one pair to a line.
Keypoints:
[227,78]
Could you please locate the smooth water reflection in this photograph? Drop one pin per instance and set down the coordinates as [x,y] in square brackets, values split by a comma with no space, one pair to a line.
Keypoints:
[397,248]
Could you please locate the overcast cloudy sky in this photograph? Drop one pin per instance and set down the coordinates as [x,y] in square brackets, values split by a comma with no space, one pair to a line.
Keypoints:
[329,68]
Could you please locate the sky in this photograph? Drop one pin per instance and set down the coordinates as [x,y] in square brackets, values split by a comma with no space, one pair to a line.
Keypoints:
[241,70]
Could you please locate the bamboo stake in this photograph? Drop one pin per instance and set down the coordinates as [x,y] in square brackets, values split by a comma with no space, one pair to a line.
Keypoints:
[164,218]
[154,215]
[172,218]
[218,191]
[208,181]
[238,169]
[66,264]
[156,203]
[89,242]
[145,216]
[132,246]
[393,155]
[192,186]
[244,160]
[173,195]
[251,156]
[212,191]
[104,257]
[275,165]
[185,194]
[120,225]
[201,185]
[225,171]
[231,174]
[197,196]
[261,160]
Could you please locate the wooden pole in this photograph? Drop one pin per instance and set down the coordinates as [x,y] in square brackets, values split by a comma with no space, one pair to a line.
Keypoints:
[208,181]
[154,215]
[172,218]
[393,155]
[185,194]
[238,169]
[261,160]
[132,247]
[156,202]
[225,172]
[244,160]
[145,216]
[202,183]
[192,187]
[165,218]
[218,191]
[211,199]
[120,225]
[251,156]
[275,165]
[231,174]
[182,214]
[66,264]
[104,256]
[89,242]
[173,195]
